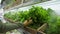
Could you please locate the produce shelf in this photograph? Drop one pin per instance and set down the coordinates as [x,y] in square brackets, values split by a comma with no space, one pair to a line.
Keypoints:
[39,30]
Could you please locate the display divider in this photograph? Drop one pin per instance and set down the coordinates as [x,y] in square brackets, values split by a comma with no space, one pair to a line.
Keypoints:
[43,27]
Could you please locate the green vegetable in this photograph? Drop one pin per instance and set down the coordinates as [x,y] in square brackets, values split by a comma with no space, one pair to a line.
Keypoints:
[38,15]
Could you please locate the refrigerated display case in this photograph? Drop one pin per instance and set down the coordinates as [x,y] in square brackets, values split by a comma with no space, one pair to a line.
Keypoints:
[55,5]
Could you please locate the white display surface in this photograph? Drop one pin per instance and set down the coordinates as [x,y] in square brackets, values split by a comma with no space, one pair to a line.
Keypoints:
[55,5]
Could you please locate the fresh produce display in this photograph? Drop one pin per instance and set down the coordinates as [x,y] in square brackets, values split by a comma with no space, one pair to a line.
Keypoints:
[38,15]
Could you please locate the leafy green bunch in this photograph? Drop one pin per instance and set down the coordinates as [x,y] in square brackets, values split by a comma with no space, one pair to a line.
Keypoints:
[54,26]
[39,16]
[19,16]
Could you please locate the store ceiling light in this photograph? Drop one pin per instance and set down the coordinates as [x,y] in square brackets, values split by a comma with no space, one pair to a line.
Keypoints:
[0,1]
